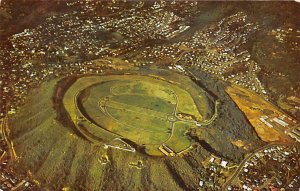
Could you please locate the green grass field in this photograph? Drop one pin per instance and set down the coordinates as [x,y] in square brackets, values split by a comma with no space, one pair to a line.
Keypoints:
[179,141]
[140,108]
[146,101]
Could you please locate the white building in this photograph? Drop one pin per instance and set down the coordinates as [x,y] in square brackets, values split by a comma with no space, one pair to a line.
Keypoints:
[281,122]
[263,119]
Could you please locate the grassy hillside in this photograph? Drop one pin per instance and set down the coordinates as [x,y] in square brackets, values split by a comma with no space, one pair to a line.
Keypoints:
[57,156]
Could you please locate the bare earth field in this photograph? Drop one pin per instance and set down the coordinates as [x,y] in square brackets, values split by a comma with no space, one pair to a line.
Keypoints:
[255,107]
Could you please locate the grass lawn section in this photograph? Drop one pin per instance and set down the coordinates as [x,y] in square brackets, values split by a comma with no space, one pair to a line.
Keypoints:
[146,101]
[166,90]
[140,127]
[103,89]
[179,141]
[91,104]
[153,150]
[139,120]
[98,132]
[137,108]
[145,87]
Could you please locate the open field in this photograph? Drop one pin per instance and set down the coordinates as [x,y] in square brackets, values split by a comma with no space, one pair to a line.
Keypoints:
[179,133]
[140,108]
[256,107]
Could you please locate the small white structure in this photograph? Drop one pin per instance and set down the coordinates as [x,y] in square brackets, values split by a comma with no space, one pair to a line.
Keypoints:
[180,68]
[224,163]
[281,122]
[263,119]
[201,183]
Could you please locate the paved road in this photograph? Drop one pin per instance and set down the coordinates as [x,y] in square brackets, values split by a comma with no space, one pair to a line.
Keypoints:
[242,163]
[4,127]
[209,121]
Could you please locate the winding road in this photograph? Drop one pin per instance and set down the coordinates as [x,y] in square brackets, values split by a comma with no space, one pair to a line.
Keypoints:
[4,127]
[247,158]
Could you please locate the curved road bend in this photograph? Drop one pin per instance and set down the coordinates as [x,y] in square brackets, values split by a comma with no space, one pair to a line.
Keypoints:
[4,126]
[241,165]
